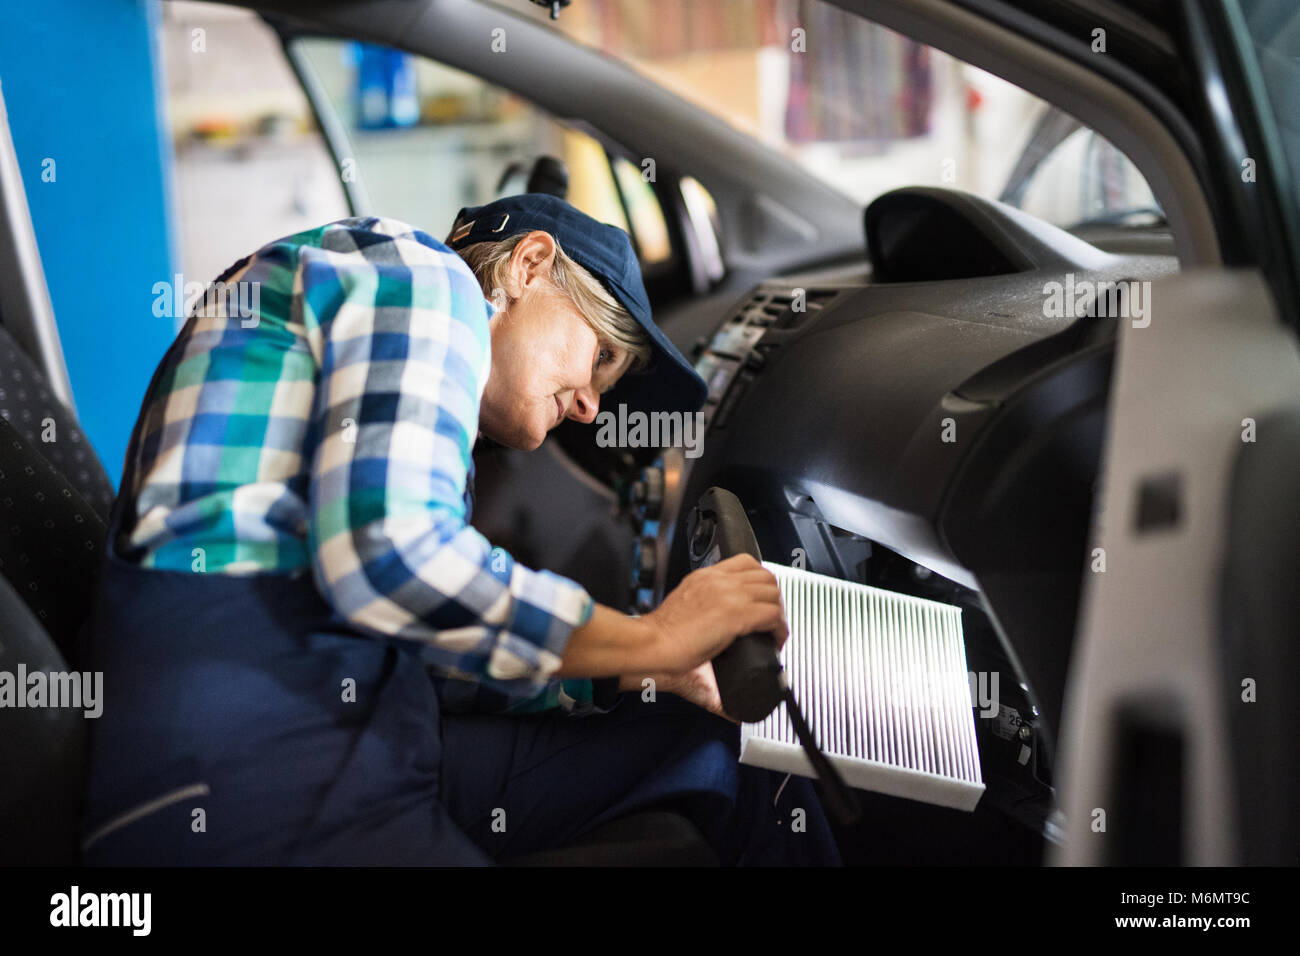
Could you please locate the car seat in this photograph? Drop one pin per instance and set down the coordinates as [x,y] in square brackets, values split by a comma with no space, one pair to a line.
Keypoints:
[55,499]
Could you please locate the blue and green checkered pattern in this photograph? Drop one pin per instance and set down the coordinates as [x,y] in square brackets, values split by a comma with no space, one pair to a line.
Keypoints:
[331,428]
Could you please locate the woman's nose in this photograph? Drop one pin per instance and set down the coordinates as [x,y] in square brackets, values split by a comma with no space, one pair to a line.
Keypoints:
[586,402]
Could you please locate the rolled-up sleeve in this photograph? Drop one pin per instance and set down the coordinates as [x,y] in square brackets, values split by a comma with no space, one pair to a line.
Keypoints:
[399,328]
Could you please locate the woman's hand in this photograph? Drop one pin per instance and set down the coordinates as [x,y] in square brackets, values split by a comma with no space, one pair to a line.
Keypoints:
[674,643]
[700,687]
[709,609]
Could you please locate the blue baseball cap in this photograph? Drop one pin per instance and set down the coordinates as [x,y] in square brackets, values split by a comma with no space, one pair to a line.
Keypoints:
[670,383]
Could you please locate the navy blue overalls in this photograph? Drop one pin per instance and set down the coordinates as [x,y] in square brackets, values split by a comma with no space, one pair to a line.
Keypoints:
[244,722]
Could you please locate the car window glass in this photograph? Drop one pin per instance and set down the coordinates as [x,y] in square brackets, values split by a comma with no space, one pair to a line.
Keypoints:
[249,164]
[1273,33]
[859,106]
[644,211]
[1086,179]
[427,139]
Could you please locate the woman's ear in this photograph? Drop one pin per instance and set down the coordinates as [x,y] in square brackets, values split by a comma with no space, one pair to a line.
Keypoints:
[532,260]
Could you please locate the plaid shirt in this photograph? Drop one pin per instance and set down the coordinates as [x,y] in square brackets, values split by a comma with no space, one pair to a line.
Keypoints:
[330,427]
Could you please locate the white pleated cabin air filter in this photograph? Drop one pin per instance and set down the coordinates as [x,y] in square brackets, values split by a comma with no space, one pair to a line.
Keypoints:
[881,678]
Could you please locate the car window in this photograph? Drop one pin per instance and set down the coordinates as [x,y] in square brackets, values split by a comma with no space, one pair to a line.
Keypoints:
[249,163]
[426,139]
[1085,179]
[859,106]
[643,211]
[1271,30]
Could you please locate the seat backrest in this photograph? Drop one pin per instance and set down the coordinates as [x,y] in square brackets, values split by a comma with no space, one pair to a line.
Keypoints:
[42,749]
[30,406]
[51,540]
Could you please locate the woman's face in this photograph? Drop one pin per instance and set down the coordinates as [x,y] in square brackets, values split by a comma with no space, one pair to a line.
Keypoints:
[547,364]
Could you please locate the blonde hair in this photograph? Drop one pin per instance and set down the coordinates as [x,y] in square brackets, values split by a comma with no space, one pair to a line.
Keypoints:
[612,323]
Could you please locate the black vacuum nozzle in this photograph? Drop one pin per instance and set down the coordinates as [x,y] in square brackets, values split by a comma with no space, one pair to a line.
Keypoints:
[749,674]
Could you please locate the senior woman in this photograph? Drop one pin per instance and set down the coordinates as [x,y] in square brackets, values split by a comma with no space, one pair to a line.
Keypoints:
[310,656]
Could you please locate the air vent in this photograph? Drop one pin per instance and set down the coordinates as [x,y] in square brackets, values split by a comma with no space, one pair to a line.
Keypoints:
[814,300]
[769,307]
[882,679]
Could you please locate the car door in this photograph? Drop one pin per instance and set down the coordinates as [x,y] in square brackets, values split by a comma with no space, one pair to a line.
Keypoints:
[1178,743]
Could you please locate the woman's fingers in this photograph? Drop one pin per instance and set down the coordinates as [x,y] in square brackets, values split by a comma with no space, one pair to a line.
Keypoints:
[739,562]
[710,607]
[763,590]
[764,593]
[767,617]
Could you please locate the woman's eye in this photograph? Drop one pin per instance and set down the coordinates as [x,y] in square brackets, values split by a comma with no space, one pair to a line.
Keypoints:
[605,356]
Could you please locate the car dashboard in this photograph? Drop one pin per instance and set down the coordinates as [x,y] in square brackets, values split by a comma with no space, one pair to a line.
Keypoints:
[930,423]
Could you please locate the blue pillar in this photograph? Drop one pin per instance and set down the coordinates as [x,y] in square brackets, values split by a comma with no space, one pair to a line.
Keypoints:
[84,94]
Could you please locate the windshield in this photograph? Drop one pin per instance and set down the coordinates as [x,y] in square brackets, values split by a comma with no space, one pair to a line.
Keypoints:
[862,108]
[1273,33]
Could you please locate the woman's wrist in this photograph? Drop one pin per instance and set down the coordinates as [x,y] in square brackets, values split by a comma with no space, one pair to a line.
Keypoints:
[611,644]
[628,682]
[646,653]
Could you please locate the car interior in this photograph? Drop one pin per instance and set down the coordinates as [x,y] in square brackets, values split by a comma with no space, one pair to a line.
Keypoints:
[840,341]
